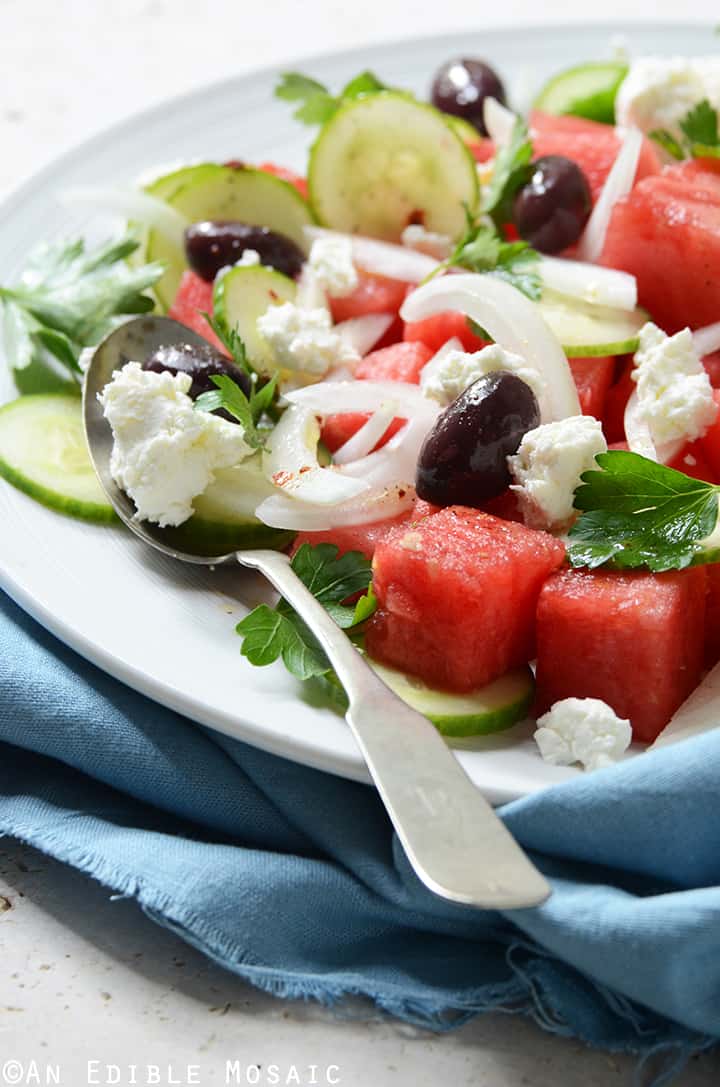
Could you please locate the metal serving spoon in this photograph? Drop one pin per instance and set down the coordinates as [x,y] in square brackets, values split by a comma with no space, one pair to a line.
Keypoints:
[452,837]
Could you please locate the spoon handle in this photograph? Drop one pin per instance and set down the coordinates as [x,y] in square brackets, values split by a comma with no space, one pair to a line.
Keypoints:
[457,845]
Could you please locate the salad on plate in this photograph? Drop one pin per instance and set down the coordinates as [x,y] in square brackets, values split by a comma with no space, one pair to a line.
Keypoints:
[467,369]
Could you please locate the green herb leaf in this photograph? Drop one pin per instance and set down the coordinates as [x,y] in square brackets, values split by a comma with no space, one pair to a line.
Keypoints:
[68,298]
[639,513]
[512,169]
[668,142]
[232,398]
[701,138]
[269,634]
[317,105]
[232,341]
[481,249]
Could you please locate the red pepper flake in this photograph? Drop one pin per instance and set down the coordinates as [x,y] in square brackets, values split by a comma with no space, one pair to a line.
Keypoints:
[281,479]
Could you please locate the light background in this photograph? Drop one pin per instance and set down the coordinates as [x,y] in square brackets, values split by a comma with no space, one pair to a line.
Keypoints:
[87,978]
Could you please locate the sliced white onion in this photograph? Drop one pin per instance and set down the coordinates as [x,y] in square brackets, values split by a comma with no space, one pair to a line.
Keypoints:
[280,512]
[131,204]
[396,461]
[513,321]
[706,340]
[362,333]
[499,121]
[618,184]
[328,397]
[589,282]
[366,438]
[309,294]
[382,258]
[639,438]
[291,463]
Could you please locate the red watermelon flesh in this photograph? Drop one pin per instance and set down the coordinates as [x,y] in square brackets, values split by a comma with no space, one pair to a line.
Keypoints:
[710,442]
[667,234]
[712,368]
[286,174]
[437,330]
[712,615]
[399,362]
[457,593]
[352,537]
[592,377]
[634,640]
[195,297]
[615,403]
[373,294]
[592,145]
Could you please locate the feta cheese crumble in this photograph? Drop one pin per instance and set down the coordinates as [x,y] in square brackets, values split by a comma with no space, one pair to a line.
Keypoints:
[165,452]
[659,91]
[304,339]
[450,373]
[584,730]
[249,259]
[548,465]
[674,392]
[331,260]
[425,241]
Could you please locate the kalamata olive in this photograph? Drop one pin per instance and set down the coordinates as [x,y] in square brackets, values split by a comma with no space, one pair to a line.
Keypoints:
[213,244]
[463,459]
[461,86]
[551,210]
[200,363]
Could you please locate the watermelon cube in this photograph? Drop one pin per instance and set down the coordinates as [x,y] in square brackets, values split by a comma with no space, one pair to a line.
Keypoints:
[373,294]
[457,592]
[353,537]
[193,298]
[710,442]
[632,639]
[667,234]
[437,330]
[285,174]
[712,615]
[616,399]
[592,145]
[592,378]
[399,362]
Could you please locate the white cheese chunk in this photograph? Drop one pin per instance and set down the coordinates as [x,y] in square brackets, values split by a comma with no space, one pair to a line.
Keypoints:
[165,452]
[548,465]
[675,396]
[249,259]
[584,730]
[331,260]
[304,339]
[450,373]
[659,91]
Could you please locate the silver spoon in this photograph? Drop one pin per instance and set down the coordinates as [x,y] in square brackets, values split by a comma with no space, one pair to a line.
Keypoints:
[452,837]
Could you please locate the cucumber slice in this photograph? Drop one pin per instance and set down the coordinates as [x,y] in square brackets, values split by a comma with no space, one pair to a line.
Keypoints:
[385,160]
[587,90]
[210,191]
[43,453]
[224,518]
[499,705]
[462,128]
[242,295]
[585,330]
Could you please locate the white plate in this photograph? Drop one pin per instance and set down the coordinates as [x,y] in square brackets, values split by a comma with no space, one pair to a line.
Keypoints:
[166,629]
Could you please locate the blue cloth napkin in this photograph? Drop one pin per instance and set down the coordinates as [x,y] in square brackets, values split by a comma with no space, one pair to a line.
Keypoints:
[292,878]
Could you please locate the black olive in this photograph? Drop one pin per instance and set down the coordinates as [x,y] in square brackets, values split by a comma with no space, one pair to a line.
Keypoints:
[214,244]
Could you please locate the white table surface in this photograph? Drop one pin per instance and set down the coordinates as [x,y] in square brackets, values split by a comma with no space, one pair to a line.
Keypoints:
[85,979]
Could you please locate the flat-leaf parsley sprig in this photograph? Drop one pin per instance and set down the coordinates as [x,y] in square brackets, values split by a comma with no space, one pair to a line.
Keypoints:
[481,249]
[316,104]
[700,134]
[636,513]
[228,395]
[270,634]
[69,297]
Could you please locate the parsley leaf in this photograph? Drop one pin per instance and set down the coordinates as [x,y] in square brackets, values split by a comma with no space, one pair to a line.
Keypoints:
[700,135]
[639,513]
[317,104]
[481,249]
[512,169]
[269,634]
[67,298]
